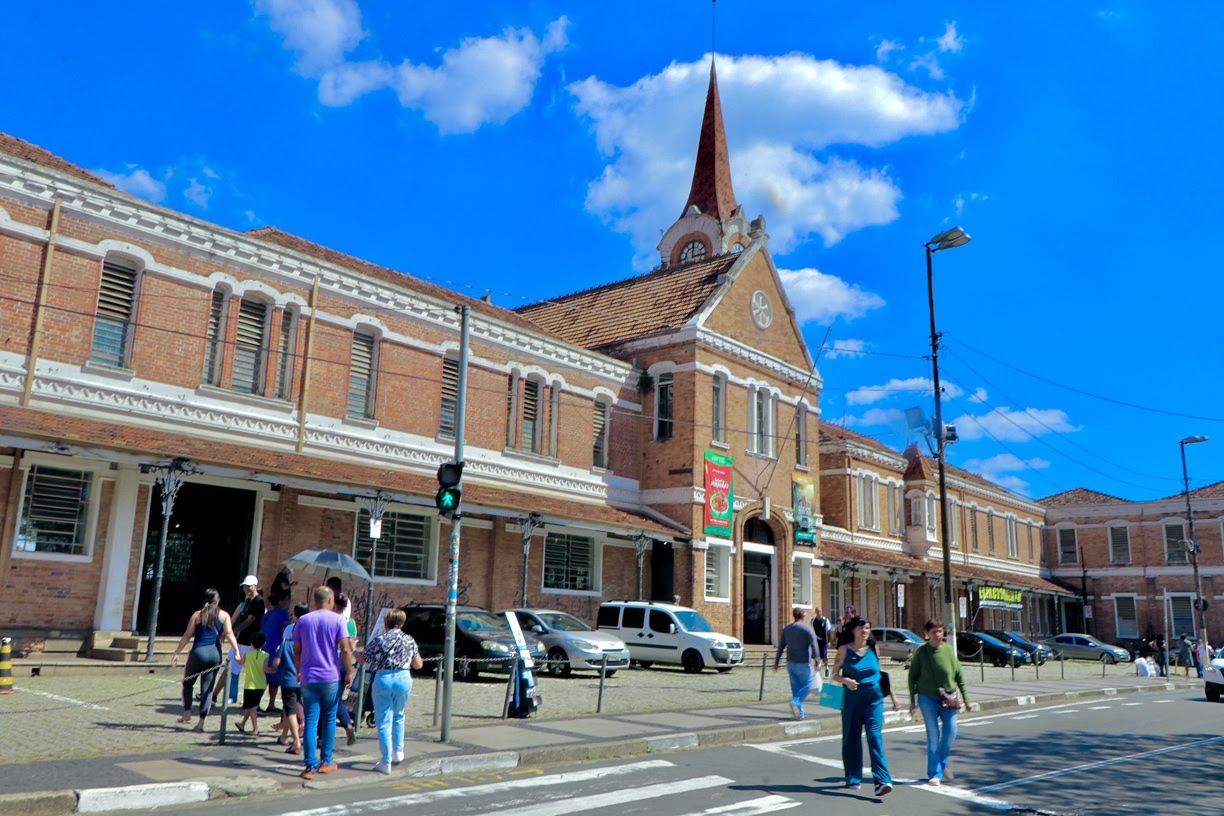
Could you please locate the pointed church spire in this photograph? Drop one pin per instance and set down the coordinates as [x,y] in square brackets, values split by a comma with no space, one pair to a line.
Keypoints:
[711,190]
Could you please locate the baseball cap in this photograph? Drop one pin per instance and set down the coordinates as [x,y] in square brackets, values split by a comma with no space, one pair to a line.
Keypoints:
[250,580]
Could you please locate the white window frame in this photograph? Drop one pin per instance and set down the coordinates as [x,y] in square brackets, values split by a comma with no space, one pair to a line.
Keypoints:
[259,369]
[597,545]
[1013,543]
[600,430]
[214,337]
[1134,601]
[1059,536]
[954,522]
[718,409]
[670,384]
[371,382]
[117,263]
[801,452]
[717,555]
[895,504]
[1125,534]
[801,562]
[868,501]
[286,346]
[990,531]
[1170,547]
[931,509]
[361,528]
[95,469]
[762,421]
[836,597]
[449,397]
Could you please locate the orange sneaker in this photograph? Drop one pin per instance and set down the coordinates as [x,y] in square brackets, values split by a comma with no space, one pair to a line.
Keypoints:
[329,768]
[307,774]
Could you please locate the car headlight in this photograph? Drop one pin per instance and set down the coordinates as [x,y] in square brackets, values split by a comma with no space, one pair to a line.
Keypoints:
[494,646]
[718,644]
[584,645]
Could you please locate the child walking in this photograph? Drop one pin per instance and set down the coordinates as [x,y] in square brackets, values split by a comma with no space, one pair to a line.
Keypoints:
[291,692]
[254,681]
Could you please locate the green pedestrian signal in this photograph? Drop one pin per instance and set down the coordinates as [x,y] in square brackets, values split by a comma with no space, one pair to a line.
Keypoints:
[447,501]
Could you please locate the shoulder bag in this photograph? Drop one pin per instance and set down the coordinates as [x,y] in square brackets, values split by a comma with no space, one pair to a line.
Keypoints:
[950,698]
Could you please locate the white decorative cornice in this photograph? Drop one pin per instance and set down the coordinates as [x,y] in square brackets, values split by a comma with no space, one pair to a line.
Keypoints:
[690,334]
[859,450]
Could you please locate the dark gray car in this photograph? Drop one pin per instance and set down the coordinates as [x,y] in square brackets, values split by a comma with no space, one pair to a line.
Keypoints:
[1074,646]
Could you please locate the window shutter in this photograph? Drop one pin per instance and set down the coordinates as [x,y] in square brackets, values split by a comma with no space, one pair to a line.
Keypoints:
[113,323]
[54,514]
[1119,545]
[663,406]
[717,432]
[600,450]
[1068,553]
[405,549]
[569,562]
[249,345]
[531,415]
[1175,552]
[284,350]
[1128,619]
[361,369]
[212,348]
[450,397]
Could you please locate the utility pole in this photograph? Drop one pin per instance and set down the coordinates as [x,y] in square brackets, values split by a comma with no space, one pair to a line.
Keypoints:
[452,593]
[1191,543]
[527,525]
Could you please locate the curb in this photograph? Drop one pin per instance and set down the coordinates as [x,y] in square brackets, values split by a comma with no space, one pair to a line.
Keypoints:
[141,797]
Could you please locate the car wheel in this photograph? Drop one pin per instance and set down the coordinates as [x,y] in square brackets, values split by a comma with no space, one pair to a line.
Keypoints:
[466,670]
[692,662]
[644,664]
[997,662]
[558,662]
[724,669]
[1213,693]
[1108,659]
[609,673]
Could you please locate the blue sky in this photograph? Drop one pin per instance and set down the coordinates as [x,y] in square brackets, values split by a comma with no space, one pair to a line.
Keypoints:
[535,148]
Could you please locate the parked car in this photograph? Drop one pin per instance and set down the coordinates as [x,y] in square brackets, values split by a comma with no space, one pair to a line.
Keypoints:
[898,644]
[1038,653]
[1214,680]
[1074,646]
[571,644]
[483,641]
[976,646]
[666,633]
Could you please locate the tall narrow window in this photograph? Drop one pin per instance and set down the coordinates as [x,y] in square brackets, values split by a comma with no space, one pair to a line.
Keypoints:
[835,591]
[762,424]
[448,416]
[1119,545]
[894,509]
[954,523]
[512,410]
[55,512]
[718,409]
[801,457]
[973,528]
[1029,527]
[1068,552]
[361,377]
[1175,550]
[990,538]
[869,488]
[1126,616]
[249,346]
[663,406]
[932,519]
[214,343]
[284,356]
[531,416]
[112,335]
[599,450]
[1013,544]
[405,549]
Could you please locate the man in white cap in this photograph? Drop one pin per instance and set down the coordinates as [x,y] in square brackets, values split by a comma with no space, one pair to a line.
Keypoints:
[246,623]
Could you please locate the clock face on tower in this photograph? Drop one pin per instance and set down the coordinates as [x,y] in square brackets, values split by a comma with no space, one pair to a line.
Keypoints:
[693,251]
[762,311]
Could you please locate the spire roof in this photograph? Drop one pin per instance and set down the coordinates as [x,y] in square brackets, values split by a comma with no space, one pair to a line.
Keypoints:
[711,190]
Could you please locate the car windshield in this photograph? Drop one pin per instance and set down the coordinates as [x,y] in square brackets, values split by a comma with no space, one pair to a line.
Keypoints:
[908,635]
[481,622]
[993,641]
[692,621]
[562,622]
[1014,638]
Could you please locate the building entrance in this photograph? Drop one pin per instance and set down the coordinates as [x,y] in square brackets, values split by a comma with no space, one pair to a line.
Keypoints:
[208,546]
[758,583]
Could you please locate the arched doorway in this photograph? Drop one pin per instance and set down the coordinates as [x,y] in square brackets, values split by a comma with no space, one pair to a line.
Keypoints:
[759,601]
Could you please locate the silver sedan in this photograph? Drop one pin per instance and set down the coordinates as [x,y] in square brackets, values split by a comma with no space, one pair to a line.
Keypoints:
[571,644]
[1085,647]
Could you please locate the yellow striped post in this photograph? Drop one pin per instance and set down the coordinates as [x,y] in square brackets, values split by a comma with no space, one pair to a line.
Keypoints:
[6,666]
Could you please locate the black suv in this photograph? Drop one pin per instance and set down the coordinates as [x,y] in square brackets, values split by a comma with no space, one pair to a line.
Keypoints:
[1038,652]
[974,646]
[483,641]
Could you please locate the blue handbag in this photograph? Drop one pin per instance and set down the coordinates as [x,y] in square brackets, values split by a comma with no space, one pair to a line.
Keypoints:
[832,696]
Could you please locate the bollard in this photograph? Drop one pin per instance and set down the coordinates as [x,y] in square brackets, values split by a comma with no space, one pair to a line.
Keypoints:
[223,672]
[1012,663]
[1102,668]
[603,675]
[1037,664]
[6,666]
[437,692]
[761,696]
[510,687]
[1062,666]
[982,662]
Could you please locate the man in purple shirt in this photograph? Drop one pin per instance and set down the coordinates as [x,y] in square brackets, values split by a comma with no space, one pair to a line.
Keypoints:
[320,642]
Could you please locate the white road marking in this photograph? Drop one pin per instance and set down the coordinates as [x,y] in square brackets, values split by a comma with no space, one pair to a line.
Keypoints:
[577,804]
[1070,711]
[1102,764]
[1099,708]
[1134,704]
[753,807]
[1027,717]
[58,698]
[426,797]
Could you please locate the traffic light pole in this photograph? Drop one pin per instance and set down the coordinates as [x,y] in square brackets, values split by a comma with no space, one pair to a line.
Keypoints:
[452,592]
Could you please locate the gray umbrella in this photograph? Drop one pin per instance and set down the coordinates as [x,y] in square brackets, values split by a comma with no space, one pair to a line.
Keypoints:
[326,563]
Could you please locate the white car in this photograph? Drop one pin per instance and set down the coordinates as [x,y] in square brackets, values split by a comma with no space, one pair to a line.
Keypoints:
[572,644]
[1214,677]
[667,633]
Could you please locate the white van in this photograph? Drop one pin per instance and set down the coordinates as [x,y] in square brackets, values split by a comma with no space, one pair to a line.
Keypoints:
[666,633]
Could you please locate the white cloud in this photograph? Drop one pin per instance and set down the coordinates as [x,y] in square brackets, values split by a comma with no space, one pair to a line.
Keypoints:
[874,417]
[911,385]
[824,298]
[950,41]
[885,48]
[779,112]
[845,348]
[484,80]
[137,181]
[1013,426]
[979,395]
[928,63]
[1001,470]
[197,193]
[960,201]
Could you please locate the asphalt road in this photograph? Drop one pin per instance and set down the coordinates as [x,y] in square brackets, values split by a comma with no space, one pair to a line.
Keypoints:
[1087,758]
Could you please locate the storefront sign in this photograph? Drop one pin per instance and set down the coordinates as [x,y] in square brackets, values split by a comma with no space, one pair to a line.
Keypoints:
[719,494]
[803,500]
[1000,598]
[964,607]
[901,595]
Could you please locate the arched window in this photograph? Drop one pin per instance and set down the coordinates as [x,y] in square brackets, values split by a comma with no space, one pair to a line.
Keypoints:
[116,312]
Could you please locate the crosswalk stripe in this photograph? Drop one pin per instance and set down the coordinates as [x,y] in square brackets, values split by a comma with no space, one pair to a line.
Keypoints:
[425,797]
[578,804]
[753,807]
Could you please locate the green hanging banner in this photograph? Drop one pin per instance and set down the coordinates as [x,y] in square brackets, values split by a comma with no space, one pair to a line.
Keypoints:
[719,494]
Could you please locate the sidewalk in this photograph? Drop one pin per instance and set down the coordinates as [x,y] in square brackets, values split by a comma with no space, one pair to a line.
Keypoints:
[245,766]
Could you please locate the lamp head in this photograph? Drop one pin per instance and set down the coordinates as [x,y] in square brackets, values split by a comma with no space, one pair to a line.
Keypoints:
[1193,440]
[948,239]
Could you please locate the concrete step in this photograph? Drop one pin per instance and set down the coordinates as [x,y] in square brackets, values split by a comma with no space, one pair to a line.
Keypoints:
[166,643]
[120,655]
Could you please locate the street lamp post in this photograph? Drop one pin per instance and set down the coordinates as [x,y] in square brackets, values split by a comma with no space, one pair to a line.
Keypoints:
[1192,546]
[949,239]
[169,479]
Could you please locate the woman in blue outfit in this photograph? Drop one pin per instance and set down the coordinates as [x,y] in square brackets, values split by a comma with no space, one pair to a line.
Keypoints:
[209,628]
[857,668]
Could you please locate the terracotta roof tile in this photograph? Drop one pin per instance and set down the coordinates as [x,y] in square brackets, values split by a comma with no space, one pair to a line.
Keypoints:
[22,149]
[832,433]
[663,299]
[283,239]
[1081,496]
[1211,491]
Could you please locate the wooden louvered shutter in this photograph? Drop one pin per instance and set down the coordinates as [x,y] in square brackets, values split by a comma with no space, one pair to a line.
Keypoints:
[284,361]
[600,450]
[113,323]
[249,346]
[361,374]
[213,344]
[531,416]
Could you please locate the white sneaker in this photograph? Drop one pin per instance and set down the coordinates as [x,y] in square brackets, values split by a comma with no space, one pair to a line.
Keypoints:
[795,711]
[382,767]
[399,757]
[934,782]
[883,790]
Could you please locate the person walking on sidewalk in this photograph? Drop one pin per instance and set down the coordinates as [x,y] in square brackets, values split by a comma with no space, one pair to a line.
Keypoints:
[247,616]
[857,668]
[935,668]
[291,692]
[321,646]
[273,627]
[254,682]
[391,656]
[821,625]
[1183,653]
[1161,654]
[802,648]
[209,627]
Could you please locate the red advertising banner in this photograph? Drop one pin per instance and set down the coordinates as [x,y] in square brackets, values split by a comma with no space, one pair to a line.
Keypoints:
[719,494]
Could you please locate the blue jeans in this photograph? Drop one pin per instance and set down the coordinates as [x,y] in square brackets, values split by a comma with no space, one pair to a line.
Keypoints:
[319,702]
[391,690]
[802,678]
[863,710]
[940,725]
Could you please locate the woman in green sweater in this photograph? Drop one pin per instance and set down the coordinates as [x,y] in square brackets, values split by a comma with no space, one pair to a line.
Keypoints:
[934,667]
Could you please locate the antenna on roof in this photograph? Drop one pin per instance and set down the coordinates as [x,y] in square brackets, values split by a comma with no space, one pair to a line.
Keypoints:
[713,18]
